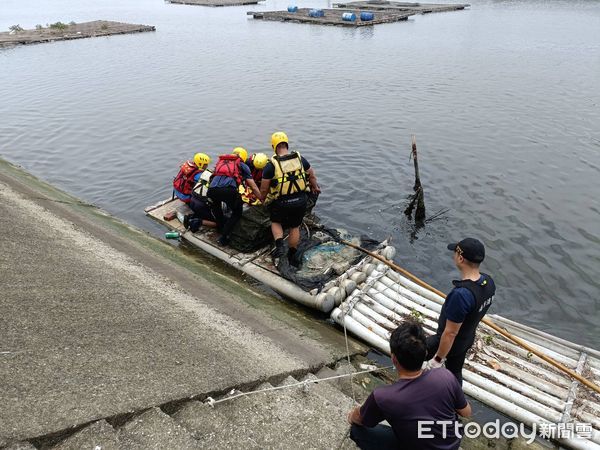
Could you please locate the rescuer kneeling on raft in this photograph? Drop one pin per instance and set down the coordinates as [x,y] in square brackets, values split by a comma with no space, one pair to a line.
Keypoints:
[190,186]
[230,173]
[200,204]
[188,175]
[285,182]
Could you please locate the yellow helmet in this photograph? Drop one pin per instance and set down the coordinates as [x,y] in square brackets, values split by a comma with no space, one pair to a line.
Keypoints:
[260,160]
[241,152]
[277,138]
[201,160]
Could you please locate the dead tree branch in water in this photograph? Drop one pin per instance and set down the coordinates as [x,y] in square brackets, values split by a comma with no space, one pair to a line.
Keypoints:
[418,199]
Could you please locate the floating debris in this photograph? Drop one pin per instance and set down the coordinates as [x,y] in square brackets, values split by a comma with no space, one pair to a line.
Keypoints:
[62,32]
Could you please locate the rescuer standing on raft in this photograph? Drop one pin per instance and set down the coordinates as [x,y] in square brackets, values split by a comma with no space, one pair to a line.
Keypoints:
[285,182]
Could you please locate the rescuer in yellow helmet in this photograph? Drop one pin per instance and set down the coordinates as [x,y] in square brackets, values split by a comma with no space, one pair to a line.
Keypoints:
[257,163]
[188,175]
[286,180]
[230,173]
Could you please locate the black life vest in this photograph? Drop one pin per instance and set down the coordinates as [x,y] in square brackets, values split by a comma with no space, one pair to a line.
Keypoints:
[184,180]
[229,166]
[483,292]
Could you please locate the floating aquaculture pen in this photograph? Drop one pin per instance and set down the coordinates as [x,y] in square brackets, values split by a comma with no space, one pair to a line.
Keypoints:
[215,3]
[356,14]
[63,32]
[342,17]
[416,8]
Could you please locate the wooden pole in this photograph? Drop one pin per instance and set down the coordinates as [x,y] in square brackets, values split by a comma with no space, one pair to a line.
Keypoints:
[488,322]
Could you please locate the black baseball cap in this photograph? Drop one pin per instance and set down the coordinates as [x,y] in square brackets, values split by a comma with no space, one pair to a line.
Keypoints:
[470,248]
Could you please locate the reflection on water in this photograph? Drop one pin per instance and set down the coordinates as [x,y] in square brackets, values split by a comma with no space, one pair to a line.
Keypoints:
[504,99]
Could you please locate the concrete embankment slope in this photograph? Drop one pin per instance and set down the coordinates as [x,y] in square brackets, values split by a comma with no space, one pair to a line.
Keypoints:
[98,319]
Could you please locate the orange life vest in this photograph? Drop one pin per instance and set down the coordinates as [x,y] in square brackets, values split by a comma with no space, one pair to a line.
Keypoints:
[184,181]
[229,166]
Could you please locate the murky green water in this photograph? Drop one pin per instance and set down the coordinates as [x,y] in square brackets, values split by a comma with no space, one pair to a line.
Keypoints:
[504,99]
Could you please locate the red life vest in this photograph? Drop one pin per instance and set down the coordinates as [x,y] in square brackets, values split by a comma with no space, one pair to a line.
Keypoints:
[229,166]
[184,181]
[257,175]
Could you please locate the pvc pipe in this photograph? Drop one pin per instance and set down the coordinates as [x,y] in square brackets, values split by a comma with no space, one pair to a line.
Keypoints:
[518,406]
[396,308]
[405,303]
[375,316]
[521,414]
[542,373]
[389,284]
[323,303]
[533,338]
[580,348]
[513,397]
[411,285]
[523,388]
[360,331]
[536,382]
[394,314]
[569,362]
[520,400]
[369,324]
[383,315]
[588,418]
[403,296]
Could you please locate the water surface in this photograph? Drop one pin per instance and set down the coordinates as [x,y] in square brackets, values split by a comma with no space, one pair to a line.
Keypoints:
[504,99]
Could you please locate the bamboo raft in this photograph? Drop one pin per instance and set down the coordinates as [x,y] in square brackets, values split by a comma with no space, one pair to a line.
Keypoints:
[70,31]
[331,17]
[215,3]
[416,8]
[497,372]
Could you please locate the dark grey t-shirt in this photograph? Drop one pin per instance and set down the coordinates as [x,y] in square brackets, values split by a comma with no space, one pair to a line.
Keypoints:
[434,396]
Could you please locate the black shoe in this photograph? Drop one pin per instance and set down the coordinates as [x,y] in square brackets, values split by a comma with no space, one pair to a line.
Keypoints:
[195,225]
[223,241]
[294,258]
[278,252]
[186,220]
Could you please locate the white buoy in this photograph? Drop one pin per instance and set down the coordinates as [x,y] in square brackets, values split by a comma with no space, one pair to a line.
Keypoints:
[338,294]
[389,252]
[348,286]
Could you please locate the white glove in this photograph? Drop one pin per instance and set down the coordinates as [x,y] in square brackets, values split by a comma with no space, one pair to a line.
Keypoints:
[433,364]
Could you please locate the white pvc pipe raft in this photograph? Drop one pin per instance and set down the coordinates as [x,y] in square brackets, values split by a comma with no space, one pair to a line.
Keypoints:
[372,299]
[524,387]
[333,293]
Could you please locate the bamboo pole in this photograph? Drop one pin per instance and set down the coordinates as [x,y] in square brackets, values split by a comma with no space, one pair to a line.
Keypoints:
[488,322]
